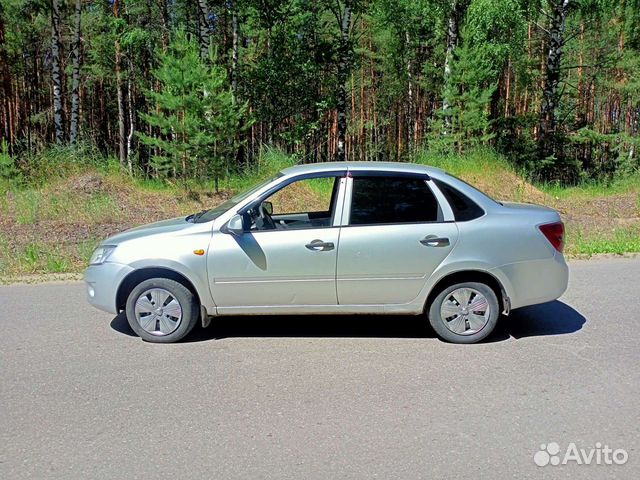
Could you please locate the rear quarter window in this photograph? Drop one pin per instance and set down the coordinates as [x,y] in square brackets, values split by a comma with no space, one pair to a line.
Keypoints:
[464,209]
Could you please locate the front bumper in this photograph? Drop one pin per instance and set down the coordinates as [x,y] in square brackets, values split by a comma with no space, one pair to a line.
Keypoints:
[102,282]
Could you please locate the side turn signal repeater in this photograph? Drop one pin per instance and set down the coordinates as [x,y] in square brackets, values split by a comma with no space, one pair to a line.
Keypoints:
[199,252]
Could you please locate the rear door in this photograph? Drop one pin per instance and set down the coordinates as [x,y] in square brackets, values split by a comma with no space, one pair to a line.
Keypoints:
[394,236]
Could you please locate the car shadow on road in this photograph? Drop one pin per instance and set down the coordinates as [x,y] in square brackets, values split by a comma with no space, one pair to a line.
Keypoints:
[554,318]
[546,319]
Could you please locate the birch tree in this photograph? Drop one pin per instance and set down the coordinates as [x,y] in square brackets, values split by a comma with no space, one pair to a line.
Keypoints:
[122,137]
[204,29]
[344,65]
[75,76]
[547,133]
[56,72]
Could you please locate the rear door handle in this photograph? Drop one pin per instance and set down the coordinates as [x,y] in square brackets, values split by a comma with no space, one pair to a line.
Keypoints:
[433,241]
[320,246]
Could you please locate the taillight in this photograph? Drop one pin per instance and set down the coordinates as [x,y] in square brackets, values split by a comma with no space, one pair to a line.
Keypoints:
[554,232]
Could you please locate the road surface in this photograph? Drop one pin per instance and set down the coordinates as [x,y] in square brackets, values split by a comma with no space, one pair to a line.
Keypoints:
[322,398]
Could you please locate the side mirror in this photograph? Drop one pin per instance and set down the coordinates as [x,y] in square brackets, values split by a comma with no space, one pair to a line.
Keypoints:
[235,225]
[267,207]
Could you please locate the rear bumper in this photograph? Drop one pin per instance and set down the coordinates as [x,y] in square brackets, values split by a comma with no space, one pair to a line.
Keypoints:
[102,282]
[534,281]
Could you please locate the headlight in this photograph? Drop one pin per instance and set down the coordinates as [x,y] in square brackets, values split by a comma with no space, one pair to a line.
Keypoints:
[101,254]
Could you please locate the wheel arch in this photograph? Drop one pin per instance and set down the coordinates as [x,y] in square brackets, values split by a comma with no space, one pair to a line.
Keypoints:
[145,273]
[471,275]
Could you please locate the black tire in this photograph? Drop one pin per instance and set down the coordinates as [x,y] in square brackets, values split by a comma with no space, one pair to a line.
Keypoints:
[187,301]
[440,325]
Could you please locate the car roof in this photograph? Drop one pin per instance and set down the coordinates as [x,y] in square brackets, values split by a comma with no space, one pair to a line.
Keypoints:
[360,166]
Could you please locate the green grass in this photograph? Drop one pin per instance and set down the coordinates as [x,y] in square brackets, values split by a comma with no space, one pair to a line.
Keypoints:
[622,240]
[486,163]
[57,163]
[30,258]
[589,189]
[33,205]
[270,163]
[5,255]
[85,248]
[322,186]
[479,161]
[101,208]
[27,206]
[41,258]
[50,196]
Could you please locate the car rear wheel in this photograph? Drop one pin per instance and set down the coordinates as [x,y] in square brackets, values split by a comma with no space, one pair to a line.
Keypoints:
[464,312]
[160,310]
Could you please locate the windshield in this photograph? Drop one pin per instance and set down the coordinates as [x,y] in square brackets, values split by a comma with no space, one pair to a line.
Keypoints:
[208,215]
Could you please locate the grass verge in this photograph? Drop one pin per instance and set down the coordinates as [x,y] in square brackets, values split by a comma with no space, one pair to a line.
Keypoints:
[619,241]
[52,223]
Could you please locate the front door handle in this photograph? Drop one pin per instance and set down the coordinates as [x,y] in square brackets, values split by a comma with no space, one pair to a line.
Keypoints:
[433,241]
[320,246]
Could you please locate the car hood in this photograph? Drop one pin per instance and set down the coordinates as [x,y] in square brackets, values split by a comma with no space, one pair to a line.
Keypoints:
[156,228]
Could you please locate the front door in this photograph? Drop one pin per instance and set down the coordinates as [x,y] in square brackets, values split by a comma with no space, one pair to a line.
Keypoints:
[287,256]
[394,239]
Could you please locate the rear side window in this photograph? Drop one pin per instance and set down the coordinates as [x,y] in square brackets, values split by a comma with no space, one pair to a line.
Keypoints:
[463,207]
[385,200]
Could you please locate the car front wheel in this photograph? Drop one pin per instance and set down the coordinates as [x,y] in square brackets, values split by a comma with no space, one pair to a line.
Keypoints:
[160,310]
[464,312]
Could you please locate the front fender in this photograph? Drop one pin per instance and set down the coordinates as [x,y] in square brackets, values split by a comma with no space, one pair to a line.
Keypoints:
[197,275]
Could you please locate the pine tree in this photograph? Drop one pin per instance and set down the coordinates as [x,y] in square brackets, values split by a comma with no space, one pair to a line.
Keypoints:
[196,115]
[467,121]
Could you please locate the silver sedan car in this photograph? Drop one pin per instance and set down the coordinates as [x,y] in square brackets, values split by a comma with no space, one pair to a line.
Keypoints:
[337,238]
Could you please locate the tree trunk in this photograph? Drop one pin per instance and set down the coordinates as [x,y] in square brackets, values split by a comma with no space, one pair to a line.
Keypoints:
[410,99]
[453,29]
[75,82]
[122,150]
[547,136]
[234,50]
[6,116]
[343,71]
[204,33]
[164,17]
[56,76]
[132,124]
[581,95]
[622,11]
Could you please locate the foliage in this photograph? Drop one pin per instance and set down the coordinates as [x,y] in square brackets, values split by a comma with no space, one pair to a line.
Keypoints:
[8,170]
[493,32]
[197,115]
[275,80]
[468,112]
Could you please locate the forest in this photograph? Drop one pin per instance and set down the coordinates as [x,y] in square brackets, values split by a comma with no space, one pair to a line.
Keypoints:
[197,89]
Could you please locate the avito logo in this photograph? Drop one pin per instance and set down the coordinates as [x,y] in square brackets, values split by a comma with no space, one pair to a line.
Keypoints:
[549,454]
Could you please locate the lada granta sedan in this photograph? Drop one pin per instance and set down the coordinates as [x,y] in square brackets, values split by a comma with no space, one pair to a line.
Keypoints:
[341,238]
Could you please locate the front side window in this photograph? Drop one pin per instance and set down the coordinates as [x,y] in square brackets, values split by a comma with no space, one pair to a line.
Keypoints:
[387,200]
[312,195]
[306,203]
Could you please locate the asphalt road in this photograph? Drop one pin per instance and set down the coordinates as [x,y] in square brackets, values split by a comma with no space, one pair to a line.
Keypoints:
[318,397]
